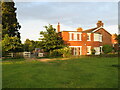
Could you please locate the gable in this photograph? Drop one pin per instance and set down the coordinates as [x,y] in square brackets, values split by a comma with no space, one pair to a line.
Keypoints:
[102,30]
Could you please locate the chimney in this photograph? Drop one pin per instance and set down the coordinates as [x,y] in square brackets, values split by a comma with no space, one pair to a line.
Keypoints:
[100,24]
[58,27]
[79,29]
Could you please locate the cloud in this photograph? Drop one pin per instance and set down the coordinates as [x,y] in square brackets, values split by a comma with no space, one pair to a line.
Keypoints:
[112,29]
[75,13]
[34,15]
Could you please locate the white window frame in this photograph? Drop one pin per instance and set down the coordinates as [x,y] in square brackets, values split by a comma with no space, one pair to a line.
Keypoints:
[77,49]
[75,36]
[100,38]
[97,53]
[96,37]
[88,48]
[89,34]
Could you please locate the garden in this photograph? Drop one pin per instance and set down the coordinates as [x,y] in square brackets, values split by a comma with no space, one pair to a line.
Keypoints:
[76,72]
[57,68]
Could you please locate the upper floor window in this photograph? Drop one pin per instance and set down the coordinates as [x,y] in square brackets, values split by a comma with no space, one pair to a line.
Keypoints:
[74,36]
[100,38]
[88,36]
[97,37]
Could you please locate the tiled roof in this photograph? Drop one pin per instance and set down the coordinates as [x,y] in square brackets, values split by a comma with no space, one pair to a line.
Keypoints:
[90,30]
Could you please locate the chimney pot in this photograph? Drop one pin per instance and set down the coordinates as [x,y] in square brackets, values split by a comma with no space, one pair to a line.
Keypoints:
[79,29]
[58,27]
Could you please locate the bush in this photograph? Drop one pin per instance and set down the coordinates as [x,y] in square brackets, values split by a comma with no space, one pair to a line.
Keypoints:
[93,51]
[55,53]
[18,55]
[66,51]
[107,49]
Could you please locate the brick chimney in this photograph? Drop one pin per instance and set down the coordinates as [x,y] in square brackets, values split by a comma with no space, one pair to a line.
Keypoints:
[79,29]
[100,24]
[58,27]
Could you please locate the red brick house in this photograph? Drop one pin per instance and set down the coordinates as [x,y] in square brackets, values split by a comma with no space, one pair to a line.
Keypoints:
[82,41]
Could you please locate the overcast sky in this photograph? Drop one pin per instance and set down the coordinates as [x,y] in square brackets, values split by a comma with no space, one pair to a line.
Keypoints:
[32,16]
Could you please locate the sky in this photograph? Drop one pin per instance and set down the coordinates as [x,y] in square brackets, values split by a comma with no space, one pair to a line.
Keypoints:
[33,16]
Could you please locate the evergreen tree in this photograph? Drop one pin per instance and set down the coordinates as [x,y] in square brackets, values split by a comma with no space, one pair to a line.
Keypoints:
[10,24]
[51,40]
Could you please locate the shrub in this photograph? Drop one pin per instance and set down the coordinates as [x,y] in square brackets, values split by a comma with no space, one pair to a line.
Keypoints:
[93,51]
[66,51]
[107,48]
[18,55]
[55,53]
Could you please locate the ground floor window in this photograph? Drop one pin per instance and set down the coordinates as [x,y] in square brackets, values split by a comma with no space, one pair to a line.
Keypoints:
[100,49]
[88,50]
[76,50]
[97,50]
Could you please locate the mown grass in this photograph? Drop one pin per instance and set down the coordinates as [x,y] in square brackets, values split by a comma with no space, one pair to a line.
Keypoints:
[87,72]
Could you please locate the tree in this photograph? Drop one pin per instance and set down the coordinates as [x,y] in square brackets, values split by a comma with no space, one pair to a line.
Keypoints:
[10,24]
[11,44]
[107,48]
[51,40]
[30,45]
[118,40]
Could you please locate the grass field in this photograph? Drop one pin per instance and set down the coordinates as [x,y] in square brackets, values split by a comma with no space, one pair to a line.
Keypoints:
[87,72]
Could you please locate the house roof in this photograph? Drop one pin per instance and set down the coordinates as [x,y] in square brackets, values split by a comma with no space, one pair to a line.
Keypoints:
[92,30]
[95,30]
[89,30]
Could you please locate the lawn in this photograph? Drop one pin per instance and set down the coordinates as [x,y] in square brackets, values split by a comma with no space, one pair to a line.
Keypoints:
[86,72]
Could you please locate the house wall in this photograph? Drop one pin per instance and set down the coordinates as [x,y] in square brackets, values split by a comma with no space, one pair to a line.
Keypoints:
[106,37]
[83,43]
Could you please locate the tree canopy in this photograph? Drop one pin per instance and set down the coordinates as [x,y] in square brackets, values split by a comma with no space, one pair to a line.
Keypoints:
[118,39]
[10,28]
[51,40]
[11,44]
[30,45]
[10,24]
[107,48]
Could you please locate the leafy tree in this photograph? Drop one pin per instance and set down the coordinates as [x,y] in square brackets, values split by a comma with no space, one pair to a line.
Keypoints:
[10,24]
[26,45]
[11,44]
[51,40]
[30,45]
[118,38]
[107,48]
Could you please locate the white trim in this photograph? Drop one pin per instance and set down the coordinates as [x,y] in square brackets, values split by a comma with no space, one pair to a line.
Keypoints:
[89,34]
[100,37]
[75,36]
[77,49]
[96,37]
[97,29]
[88,47]
[97,49]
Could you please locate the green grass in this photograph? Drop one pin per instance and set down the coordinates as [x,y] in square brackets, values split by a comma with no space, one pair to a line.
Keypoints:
[87,72]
